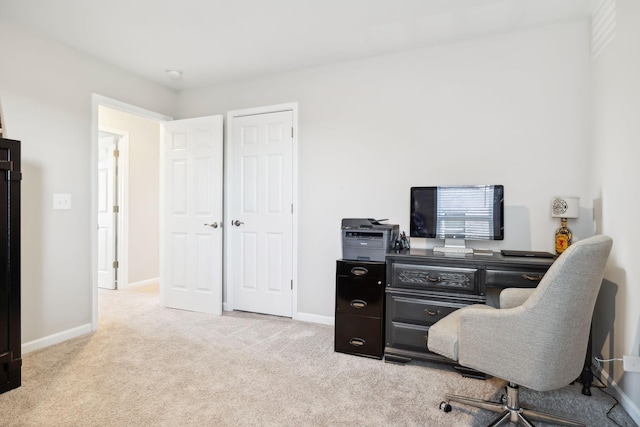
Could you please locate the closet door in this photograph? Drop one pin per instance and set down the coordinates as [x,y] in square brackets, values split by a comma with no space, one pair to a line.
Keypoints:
[10,355]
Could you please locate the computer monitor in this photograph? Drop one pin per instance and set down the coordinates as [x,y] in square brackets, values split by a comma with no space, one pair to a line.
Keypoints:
[457,213]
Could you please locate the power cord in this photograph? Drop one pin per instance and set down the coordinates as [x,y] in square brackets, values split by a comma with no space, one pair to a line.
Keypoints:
[604,386]
[612,406]
[605,360]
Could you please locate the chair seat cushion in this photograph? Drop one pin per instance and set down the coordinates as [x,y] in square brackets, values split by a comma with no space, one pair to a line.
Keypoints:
[443,335]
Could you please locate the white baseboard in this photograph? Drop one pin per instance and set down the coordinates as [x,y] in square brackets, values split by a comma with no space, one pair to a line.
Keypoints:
[55,338]
[314,318]
[303,317]
[625,401]
[143,283]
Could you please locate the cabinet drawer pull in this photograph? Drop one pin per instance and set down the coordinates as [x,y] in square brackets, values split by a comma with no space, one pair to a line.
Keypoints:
[359,271]
[357,342]
[358,303]
[434,279]
[431,313]
[532,278]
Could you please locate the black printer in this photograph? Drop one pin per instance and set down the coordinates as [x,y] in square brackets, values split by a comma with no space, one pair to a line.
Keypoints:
[366,239]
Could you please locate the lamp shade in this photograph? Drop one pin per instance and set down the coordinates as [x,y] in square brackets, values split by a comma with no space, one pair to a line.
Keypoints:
[565,207]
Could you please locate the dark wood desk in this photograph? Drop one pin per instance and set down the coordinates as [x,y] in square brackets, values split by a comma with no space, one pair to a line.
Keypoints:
[422,287]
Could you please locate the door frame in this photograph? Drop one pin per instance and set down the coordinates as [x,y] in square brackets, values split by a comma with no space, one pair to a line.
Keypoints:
[96,101]
[227,301]
[122,237]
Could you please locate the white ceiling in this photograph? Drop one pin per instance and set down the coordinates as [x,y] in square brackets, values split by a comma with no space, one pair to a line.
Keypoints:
[219,41]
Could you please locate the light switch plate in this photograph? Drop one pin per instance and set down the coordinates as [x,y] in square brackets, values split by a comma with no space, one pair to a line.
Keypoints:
[61,201]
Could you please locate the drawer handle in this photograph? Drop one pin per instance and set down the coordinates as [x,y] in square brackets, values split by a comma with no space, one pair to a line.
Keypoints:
[532,278]
[431,313]
[434,279]
[358,303]
[359,271]
[357,342]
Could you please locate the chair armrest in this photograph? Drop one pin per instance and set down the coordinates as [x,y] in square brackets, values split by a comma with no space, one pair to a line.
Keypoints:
[513,297]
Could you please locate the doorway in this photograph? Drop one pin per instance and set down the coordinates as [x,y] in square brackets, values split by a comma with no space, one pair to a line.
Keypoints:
[138,231]
[290,278]
[136,166]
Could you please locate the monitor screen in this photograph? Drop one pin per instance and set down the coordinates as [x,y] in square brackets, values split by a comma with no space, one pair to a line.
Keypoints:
[469,212]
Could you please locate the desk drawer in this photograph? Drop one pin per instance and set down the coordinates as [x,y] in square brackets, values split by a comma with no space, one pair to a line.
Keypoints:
[406,336]
[513,278]
[445,279]
[425,312]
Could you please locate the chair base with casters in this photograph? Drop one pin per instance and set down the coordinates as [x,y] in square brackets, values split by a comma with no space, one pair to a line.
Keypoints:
[509,410]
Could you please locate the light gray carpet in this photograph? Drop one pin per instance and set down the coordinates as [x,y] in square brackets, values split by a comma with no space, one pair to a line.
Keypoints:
[150,366]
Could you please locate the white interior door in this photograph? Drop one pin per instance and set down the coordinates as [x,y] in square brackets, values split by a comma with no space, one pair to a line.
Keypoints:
[191,215]
[106,216]
[261,234]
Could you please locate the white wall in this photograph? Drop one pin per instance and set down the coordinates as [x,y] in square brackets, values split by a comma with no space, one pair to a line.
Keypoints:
[143,192]
[616,112]
[45,92]
[511,109]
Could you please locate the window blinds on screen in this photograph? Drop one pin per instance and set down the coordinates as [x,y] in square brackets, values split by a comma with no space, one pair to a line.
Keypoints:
[466,212]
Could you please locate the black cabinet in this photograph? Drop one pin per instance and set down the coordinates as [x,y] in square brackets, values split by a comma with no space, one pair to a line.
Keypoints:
[360,302]
[10,353]
[423,287]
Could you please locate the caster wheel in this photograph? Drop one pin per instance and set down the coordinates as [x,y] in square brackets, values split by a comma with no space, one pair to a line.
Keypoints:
[445,407]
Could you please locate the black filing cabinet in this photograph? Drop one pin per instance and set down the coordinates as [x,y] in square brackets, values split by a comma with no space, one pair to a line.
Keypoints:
[360,301]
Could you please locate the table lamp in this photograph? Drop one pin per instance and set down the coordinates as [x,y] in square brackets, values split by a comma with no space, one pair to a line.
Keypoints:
[564,208]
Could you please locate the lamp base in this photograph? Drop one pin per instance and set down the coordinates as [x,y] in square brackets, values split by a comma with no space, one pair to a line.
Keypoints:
[563,237]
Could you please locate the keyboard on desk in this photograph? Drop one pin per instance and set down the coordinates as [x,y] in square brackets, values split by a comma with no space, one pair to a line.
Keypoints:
[535,254]
[453,250]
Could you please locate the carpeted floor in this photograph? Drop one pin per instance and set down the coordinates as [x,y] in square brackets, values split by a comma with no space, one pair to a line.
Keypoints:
[150,366]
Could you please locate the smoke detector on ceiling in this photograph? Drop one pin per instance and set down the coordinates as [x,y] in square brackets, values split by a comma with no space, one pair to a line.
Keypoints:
[174,74]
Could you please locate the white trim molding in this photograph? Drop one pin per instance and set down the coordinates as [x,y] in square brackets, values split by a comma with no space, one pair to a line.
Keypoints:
[315,318]
[155,280]
[57,338]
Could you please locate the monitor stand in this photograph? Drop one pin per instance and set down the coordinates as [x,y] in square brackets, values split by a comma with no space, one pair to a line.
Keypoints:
[454,246]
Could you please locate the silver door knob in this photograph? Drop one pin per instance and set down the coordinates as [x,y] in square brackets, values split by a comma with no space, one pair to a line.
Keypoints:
[237,223]
[212,225]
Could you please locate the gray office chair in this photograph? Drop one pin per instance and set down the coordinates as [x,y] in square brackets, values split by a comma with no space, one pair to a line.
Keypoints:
[537,338]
